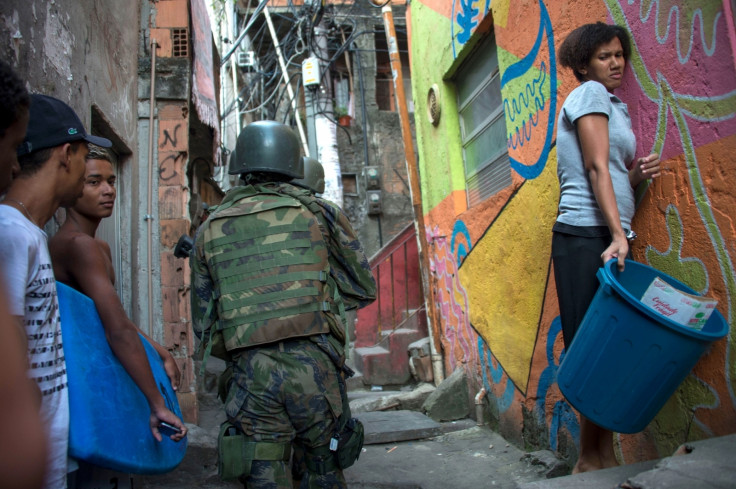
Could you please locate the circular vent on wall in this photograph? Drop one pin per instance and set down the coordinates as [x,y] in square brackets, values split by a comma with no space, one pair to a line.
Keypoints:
[433,105]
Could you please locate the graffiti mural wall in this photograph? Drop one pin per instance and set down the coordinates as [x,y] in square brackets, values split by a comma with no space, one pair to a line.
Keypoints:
[491,262]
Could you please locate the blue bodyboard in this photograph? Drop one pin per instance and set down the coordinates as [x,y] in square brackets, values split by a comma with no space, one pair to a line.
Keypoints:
[109,414]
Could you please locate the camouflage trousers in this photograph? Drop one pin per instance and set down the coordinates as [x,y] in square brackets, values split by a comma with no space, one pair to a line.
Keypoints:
[286,392]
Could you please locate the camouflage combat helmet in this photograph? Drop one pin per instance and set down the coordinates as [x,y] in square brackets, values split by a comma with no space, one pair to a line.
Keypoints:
[314,176]
[267,146]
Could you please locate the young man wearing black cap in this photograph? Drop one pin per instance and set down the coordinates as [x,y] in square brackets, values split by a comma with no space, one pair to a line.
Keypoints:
[52,166]
[51,160]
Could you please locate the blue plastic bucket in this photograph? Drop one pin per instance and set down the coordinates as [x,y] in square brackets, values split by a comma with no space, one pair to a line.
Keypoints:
[626,359]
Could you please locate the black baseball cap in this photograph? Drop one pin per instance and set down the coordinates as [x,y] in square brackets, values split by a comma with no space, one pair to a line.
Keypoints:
[53,123]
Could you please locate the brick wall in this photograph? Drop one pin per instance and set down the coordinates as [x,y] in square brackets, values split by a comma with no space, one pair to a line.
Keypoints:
[171,17]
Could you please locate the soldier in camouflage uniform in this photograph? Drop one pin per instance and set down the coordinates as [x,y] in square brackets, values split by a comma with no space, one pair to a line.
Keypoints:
[349,268]
[263,299]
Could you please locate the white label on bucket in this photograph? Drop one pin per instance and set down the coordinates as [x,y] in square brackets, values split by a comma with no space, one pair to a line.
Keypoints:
[686,309]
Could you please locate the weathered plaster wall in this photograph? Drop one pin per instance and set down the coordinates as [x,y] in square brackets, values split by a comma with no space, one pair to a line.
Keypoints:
[79,51]
[384,149]
[387,153]
[491,263]
[84,53]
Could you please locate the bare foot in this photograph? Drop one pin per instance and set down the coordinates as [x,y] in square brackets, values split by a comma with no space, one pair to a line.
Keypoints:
[683,450]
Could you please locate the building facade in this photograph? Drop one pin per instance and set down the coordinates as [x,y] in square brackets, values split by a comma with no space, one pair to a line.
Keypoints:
[488,91]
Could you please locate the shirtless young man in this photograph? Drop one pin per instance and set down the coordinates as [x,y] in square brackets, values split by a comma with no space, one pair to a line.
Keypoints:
[84,262]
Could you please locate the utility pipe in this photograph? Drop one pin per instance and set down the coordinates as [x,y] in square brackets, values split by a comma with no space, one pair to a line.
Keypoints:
[285,74]
[149,213]
[416,194]
[347,65]
[234,71]
[479,406]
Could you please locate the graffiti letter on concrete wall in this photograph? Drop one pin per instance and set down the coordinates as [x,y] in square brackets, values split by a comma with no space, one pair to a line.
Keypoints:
[169,139]
[562,414]
[688,270]
[523,111]
[168,168]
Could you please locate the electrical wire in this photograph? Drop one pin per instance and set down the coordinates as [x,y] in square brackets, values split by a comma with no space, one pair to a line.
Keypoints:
[297,38]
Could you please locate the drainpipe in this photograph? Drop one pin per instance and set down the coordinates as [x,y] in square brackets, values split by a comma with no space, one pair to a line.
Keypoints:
[149,213]
[479,406]
[416,195]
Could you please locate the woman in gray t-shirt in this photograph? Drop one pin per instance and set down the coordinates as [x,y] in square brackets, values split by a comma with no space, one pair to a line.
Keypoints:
[598,173]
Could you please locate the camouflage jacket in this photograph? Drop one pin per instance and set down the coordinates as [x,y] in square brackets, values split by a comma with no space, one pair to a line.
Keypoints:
[259,272]
[348,264]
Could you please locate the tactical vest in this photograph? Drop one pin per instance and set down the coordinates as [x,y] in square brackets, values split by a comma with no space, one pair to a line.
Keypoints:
[269,263]
[308,200]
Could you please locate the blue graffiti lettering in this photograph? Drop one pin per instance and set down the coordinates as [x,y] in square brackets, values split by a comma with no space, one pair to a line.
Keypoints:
[507,398]
[519,69]
[533,95]
[562,413]
[462,251]
[466,19]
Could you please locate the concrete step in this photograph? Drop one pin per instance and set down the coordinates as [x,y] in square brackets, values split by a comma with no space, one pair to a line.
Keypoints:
[387,364]
[368,359]
[399,341]
[393,426]
[365,329]
[408,398]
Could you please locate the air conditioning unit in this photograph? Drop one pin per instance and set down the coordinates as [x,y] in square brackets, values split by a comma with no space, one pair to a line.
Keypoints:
[246,59]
